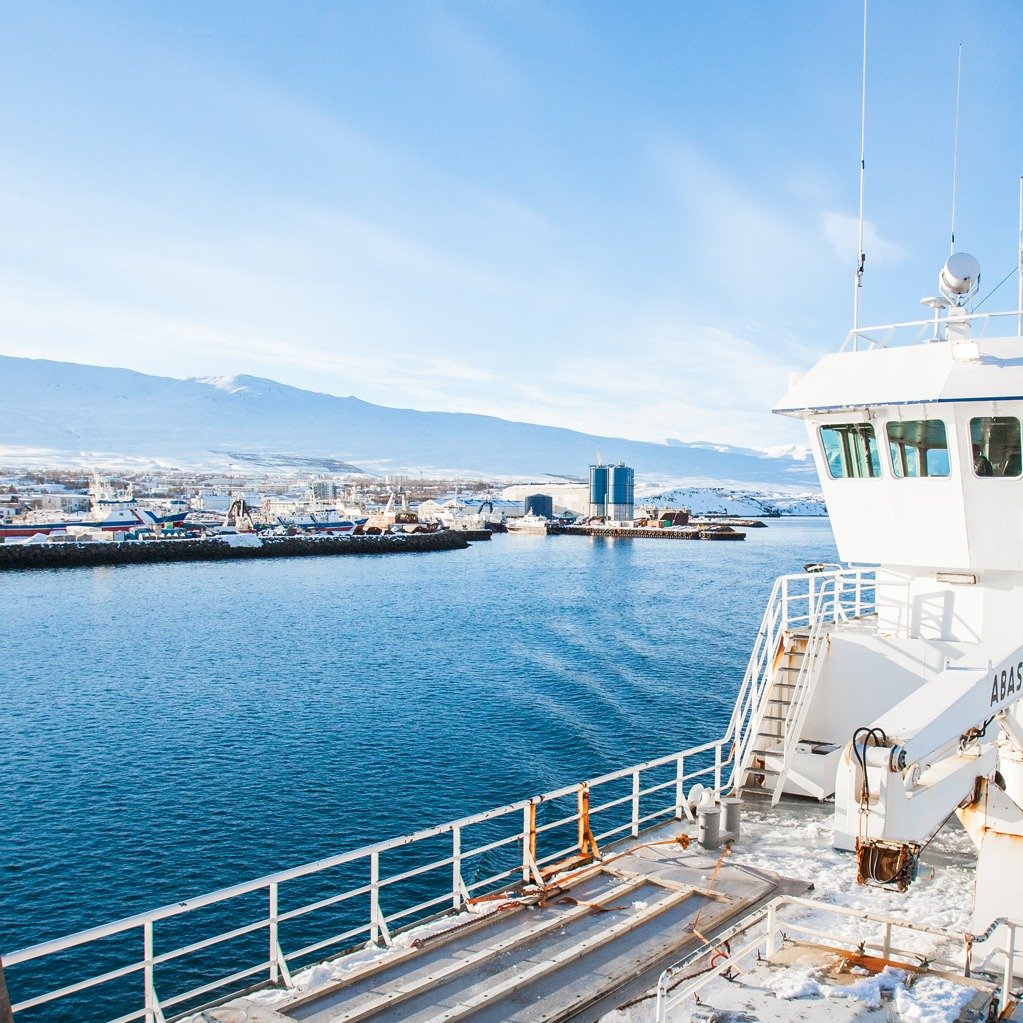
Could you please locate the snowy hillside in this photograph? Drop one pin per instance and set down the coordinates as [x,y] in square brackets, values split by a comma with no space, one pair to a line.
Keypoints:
[58,413]
[732,501]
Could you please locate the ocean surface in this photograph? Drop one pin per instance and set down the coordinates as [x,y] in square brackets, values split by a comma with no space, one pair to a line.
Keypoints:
[166,730]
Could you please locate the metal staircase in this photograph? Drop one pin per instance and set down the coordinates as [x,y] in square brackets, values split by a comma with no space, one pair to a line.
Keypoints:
[772,715]
[785,666]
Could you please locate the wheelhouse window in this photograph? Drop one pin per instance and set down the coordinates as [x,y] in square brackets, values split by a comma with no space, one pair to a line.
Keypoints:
[996,446]
[919,448]
[850,450]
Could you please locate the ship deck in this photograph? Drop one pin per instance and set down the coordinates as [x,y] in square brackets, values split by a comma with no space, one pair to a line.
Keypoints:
[600,937]
[804,982]
[587,943]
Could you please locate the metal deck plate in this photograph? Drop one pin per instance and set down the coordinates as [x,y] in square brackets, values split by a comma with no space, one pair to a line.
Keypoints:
[588,947]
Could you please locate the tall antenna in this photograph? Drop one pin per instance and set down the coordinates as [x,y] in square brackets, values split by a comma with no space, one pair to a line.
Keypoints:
[1020,266]
[955,149]
[863,170]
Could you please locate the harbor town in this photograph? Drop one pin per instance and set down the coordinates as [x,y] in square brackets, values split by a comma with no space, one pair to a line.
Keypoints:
[65,518]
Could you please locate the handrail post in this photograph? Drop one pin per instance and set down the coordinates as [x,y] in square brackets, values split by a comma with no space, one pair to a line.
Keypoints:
[374,897]
[717,769]
[1010,956]
[772,926]
[528,838]
[680,778]
[586,843]
[661,1010]
[635,803]
[456,868]
[6,1013]
[147,956]
[275,972]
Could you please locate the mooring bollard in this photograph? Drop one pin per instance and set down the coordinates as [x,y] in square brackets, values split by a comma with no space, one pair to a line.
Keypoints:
[731,808]
[708,820]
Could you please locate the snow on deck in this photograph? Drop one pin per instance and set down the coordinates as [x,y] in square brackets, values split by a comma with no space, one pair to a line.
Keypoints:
[795,840]
[792,840]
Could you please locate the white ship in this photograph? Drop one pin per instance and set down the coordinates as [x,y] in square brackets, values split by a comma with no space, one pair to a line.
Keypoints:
[798,866]
[311,514]
[529,524]
[453,514]
[458,514]
[397,517]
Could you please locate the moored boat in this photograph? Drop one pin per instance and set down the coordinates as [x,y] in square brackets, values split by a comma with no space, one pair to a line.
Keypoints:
[530,524]
[110,511]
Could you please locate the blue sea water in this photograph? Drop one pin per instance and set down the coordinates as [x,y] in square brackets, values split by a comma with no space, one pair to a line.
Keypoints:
[170,729]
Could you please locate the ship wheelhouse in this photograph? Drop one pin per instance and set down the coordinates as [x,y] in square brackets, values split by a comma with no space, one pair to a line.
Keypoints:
[913,443]
[909,712]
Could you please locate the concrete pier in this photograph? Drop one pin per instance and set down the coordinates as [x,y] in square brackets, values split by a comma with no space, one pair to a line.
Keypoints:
[670,533]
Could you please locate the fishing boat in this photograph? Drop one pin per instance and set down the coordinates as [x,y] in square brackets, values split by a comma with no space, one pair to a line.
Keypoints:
[397,517]
[311,515]
[530,524]
[110,511]
[453,514]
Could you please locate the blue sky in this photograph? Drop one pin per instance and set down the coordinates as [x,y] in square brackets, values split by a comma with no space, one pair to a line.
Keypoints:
[626,218]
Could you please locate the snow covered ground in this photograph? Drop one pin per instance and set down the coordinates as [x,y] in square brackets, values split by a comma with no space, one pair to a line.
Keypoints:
[800,846]
[739,501]
[796,843]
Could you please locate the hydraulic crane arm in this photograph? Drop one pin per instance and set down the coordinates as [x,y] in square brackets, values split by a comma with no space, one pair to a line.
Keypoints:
[956,700]
[901,776]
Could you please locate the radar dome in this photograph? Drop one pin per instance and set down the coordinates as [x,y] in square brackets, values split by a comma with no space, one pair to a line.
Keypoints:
[960,275]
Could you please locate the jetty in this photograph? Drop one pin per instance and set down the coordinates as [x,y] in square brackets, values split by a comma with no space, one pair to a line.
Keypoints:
[727,520]
[700,532]
[222,548]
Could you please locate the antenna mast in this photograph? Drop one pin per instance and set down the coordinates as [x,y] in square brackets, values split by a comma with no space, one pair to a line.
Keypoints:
[863,169]
[955,149]
[1020,266]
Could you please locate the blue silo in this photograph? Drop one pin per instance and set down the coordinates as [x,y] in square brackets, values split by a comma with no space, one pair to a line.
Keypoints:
[598,491]
[621,492]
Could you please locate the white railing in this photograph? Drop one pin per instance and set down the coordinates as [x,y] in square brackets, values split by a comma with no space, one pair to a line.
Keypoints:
[456,860]
[677,984]
[912,332]
[531,833]
[799,603]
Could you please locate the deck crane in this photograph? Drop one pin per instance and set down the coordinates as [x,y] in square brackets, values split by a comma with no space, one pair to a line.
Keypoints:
[902,776]
[955,745]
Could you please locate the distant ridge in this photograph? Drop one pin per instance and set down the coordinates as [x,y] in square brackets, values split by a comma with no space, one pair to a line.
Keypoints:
[59,413]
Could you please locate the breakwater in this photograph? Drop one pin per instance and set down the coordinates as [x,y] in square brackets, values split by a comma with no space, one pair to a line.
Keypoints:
[140,552]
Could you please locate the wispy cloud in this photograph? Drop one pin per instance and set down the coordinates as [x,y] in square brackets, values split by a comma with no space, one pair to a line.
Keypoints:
[842,233]
[344,305]
[464,49]
[741,244]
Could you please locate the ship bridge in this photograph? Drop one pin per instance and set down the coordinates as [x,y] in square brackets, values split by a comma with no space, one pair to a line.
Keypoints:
[914,442]
[908,710]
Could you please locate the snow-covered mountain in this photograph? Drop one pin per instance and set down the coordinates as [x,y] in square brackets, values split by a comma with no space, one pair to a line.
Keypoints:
[57,413]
